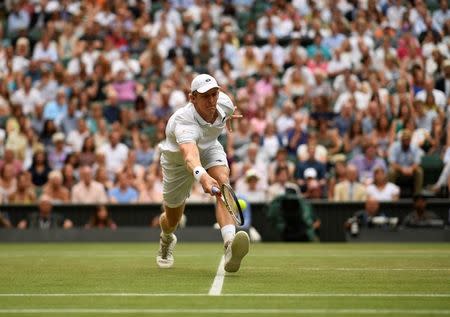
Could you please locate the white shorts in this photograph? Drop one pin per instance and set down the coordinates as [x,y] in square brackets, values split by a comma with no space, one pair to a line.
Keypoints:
[177,180]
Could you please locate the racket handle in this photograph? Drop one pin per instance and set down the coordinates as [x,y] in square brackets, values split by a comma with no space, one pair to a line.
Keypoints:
[215,190]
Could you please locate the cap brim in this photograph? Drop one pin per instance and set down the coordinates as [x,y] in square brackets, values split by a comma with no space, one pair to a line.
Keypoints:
[207,87]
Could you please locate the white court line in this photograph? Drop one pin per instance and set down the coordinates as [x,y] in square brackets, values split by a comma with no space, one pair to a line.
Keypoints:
[303,254]
[370,269]
[406,295]
[216,287]
[223,311]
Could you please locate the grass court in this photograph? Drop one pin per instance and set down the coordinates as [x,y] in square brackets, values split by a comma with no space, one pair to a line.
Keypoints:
[122,279]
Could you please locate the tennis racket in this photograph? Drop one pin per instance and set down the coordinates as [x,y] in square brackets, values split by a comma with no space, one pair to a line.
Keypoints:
[231,202]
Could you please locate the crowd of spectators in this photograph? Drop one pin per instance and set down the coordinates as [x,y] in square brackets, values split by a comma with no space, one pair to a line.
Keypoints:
[341,99]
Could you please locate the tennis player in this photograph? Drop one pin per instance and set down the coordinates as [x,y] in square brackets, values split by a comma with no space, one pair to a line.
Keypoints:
[191,152]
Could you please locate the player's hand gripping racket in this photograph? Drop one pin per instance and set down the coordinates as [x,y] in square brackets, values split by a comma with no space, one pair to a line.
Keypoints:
[231,202]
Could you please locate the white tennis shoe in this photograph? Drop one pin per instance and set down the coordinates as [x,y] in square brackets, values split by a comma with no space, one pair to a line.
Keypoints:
[235,251]
[165,259]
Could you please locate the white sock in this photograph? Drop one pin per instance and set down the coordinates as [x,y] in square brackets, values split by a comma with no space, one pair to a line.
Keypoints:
[228,233]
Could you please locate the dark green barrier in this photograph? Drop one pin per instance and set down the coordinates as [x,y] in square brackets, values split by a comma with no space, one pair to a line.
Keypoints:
[332,215]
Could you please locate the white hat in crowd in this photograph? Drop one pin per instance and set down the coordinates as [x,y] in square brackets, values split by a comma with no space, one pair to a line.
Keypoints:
[310,173]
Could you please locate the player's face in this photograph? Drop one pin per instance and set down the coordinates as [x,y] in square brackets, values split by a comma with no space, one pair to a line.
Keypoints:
[206,103]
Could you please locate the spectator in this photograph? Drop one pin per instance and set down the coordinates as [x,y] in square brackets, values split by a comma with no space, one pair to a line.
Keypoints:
[248,187]
[27,97]
[364,218]
[381,136]
[145,153]
[87,154]
[404,160]
[40,168]
[293,218]
[88,191]
[281,184]
[238,139]
[69,122]
[9,158]
[76,137]
[69,176]
[101,176]
[4,220]
[18,20]
[49,128]
[111,110]
[115,152]
[101,219]
[44,218]
[316,169]
[381,189]
[442,82]
[441,15]
[350,189]
[286,121]
[270,141]
[126,89]
[367,163]
[101,135]
[59,153]
[95,117]
[297,135]
[45,51]
[338,173]
[123,192]
[8,181]
[150,190]
[281,160]
[353,141]
[180,49]
[25,193]
[255,161]
[56,110]
[329,138]
[54,188]
[429,90]
[420,216]
[313,189]
[21,61]
[320,152]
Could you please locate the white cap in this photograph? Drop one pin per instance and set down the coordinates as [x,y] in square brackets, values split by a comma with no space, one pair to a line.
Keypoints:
[251,173]
[203,82]
[310,173]
[58,136]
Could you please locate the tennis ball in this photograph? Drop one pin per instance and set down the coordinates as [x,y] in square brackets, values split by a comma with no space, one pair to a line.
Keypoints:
[242,203]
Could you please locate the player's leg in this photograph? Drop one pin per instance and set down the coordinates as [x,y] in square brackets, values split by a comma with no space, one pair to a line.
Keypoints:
[236,244]
[169,220]
[177,185]
[223,217]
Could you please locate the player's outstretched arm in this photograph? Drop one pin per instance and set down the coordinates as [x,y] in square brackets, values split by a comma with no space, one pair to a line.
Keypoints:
[192,159]
[229,122]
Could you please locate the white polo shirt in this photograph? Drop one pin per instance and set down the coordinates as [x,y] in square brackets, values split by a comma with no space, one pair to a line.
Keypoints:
[187,126]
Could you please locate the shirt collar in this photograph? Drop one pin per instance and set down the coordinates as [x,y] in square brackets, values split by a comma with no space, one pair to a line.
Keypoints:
[201,121]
